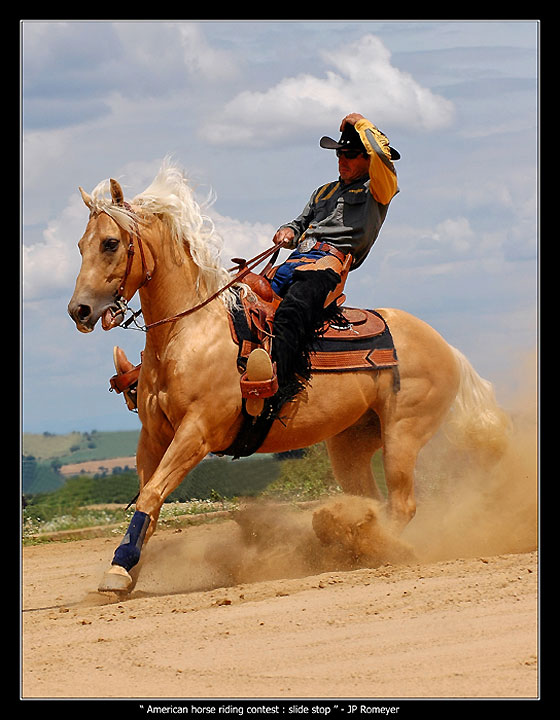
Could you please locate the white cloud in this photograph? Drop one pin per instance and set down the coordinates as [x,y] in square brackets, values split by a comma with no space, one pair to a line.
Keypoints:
[50,267]
[455,234]
[241,238]
[159,57]
[365,81]
[41,150]
[201,59]
[451,248]
[396,98]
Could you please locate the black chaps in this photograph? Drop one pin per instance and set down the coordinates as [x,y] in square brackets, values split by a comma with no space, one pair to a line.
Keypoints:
[298,320]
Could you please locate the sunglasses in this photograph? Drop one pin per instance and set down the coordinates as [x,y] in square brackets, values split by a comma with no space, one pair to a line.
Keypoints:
[349,154]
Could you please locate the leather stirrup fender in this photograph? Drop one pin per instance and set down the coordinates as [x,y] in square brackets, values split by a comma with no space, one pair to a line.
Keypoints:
[121,382]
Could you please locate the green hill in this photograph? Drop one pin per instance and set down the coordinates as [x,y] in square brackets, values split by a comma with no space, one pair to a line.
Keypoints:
[214,477]
[304,475]
[39,477]
[44,454]
[78,447]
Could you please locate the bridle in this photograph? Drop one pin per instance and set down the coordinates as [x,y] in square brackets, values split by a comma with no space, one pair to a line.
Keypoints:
[243,267]
[130,253]
[121,302]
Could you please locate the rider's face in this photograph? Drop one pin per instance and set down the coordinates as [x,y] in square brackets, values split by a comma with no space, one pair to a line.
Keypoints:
[350,168]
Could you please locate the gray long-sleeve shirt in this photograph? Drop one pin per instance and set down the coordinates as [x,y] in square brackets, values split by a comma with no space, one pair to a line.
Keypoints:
[350,216]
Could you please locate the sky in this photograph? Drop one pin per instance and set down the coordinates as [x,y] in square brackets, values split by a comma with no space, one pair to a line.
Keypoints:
[241,106]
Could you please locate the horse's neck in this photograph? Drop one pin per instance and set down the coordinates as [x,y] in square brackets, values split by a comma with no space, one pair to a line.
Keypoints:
[175,285]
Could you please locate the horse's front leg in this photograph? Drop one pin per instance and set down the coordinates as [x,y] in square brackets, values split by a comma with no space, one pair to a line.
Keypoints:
[186,450]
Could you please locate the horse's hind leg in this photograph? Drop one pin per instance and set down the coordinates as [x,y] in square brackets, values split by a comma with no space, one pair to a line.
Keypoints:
[350,453]
[403,438]
[399,461]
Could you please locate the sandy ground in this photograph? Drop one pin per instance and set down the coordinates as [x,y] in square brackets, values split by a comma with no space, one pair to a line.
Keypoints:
[202,624]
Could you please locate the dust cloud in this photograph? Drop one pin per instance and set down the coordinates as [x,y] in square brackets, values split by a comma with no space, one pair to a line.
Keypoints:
[469,504]
[270,541]
[476,503]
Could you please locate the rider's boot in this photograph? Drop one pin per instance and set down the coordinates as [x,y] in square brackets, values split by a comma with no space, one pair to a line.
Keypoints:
[259,381]
[126,379]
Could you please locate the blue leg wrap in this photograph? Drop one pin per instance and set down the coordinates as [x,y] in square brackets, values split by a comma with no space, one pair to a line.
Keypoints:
[128,552]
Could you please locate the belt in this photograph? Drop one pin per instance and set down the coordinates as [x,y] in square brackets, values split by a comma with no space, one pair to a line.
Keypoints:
[330,249]
[306,245]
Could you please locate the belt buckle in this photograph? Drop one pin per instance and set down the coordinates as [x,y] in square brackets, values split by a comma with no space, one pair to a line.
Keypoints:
[306,245]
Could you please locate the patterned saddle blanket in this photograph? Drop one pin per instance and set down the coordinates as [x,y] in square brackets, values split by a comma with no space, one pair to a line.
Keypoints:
[362,342]
[357,340]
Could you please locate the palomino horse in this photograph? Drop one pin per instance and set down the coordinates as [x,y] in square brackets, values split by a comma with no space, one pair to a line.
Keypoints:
[189,399]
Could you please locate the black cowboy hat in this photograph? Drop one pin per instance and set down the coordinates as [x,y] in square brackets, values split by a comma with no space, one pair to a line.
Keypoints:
[350,140]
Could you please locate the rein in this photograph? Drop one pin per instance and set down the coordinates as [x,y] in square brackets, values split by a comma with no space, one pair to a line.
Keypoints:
[244,267]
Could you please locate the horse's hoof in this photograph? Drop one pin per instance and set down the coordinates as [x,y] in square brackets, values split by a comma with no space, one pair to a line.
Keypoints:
[116,579]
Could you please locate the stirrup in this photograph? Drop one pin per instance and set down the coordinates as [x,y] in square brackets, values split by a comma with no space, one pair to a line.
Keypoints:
[259,381]
[126,379]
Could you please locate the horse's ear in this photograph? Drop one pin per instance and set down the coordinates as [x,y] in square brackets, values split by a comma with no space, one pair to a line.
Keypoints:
[116,192]
[85,197]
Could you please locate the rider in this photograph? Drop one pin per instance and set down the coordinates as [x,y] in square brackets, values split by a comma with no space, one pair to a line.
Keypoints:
[334,233]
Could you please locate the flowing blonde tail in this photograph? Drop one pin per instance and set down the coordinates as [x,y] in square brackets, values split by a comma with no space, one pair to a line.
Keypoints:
[476,421]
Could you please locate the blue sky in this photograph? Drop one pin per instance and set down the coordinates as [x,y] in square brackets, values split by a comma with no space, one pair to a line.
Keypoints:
[241,107]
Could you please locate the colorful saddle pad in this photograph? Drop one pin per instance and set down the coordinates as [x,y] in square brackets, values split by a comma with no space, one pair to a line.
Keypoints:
[362,342]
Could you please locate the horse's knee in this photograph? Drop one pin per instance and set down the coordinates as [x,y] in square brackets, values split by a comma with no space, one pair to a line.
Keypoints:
[150,500]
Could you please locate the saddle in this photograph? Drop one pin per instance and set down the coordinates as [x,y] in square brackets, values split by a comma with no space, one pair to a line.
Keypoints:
[356,340]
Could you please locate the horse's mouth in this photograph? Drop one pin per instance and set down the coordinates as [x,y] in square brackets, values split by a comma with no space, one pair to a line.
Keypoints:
[112,317]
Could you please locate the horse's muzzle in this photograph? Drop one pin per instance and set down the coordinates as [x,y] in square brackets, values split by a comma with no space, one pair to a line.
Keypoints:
[82,315]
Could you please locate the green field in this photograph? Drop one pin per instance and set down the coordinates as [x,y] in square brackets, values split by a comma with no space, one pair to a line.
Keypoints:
[44,454]
[78,447]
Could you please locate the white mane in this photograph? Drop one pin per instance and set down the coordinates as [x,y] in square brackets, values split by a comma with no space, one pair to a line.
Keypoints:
[169,195]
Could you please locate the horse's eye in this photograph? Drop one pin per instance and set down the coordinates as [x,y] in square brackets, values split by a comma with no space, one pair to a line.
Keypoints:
[110,244]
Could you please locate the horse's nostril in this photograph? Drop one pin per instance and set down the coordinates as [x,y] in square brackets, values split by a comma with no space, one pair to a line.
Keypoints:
[83,312]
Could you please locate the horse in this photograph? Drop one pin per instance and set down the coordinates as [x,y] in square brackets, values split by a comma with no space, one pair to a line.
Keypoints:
[189,400]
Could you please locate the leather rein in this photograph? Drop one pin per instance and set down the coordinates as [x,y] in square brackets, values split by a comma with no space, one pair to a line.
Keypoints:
[243,267]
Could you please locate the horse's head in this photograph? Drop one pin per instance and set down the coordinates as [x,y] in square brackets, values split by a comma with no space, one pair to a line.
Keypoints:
[113,263]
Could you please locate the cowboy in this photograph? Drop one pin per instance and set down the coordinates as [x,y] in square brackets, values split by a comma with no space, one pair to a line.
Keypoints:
[333,235]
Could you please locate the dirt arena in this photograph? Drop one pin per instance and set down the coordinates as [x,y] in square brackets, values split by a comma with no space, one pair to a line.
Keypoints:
[456,628]
[291,602]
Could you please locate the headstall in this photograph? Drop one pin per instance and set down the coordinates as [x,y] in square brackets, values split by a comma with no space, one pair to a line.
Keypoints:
[243,268]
